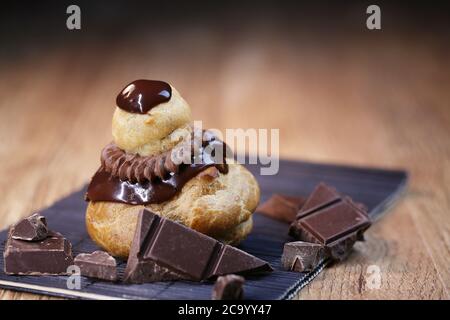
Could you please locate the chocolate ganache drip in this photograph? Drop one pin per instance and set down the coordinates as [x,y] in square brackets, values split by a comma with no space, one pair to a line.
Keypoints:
[134,179]
[141,96]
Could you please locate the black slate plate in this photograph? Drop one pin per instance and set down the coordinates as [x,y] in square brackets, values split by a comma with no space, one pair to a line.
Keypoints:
[374,187]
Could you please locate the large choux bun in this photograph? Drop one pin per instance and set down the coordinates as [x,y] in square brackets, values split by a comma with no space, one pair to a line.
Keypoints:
[219,206]
[215,203]
[155,132]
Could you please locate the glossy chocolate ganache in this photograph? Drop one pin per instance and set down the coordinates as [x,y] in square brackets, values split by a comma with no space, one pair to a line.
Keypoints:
[133,179]
[140,96]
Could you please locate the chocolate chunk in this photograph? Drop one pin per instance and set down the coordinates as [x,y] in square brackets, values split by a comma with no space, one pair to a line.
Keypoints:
[33,228]
[165,250]
[228,287]
[331,220]
[139,269]
[302,256]
[322,196]
[53,255]
[281,207]
[98,264]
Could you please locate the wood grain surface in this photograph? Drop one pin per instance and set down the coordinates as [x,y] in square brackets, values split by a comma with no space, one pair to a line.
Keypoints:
[371,100]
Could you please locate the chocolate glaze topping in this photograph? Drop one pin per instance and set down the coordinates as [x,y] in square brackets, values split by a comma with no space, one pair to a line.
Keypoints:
[105,187]
[140,96]
[118,180]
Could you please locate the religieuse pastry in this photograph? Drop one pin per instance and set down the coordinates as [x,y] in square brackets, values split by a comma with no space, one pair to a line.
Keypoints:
[160,161]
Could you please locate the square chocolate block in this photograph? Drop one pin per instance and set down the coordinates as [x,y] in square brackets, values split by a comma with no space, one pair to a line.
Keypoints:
[51,256]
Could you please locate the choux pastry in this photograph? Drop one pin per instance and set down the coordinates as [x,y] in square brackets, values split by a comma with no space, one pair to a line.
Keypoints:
[146,166]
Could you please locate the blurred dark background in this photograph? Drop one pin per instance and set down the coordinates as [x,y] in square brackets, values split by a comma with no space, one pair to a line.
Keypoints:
[310,68]
[34,27]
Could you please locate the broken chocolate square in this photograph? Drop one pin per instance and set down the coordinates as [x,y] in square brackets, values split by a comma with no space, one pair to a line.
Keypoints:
[98,264]
[332,220]
[302,256]
[166,250]
[32,228]
[53,255]
[228,287]
[281,207]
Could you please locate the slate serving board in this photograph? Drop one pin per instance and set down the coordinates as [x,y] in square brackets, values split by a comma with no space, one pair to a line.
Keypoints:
[376,188]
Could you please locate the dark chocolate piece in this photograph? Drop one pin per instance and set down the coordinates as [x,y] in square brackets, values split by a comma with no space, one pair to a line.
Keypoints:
[281,207]
[166,250]
[53,255]
[98,264]
[228,287]
[33,228]
[302,256]
[331,220]
[322,196]
[140,96]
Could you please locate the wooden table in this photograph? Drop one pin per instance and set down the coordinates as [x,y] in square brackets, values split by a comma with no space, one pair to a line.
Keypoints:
[370,100]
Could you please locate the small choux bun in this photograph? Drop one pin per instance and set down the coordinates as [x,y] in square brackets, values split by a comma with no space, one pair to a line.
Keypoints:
[220,206]
[155,132]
